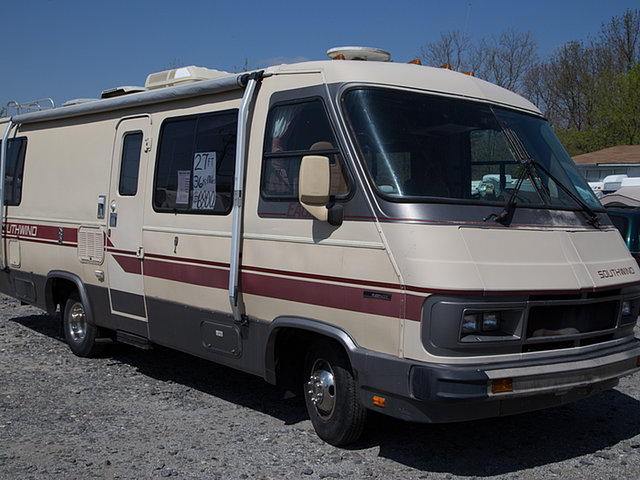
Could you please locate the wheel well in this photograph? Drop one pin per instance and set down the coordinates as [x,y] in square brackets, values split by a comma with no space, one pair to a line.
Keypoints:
[59,291]
[290,349]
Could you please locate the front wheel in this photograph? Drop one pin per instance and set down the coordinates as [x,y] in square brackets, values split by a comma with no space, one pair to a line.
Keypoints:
[331,395]
[79,333]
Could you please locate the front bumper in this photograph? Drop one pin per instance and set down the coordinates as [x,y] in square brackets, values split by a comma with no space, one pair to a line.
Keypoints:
[449,393]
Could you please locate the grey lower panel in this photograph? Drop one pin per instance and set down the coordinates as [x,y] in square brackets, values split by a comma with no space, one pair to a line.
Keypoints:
[25,286]
[126,302]
[207,334]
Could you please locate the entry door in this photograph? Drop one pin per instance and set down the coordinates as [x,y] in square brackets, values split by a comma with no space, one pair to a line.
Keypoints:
[124,214]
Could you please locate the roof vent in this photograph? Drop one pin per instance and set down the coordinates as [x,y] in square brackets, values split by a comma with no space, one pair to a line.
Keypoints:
[179,76]
[78,101]
[359,53]
[119,91]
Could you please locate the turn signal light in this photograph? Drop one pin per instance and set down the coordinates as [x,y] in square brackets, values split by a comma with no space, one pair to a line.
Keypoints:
[501,385]
[416,61]
[446,65]
[379,401]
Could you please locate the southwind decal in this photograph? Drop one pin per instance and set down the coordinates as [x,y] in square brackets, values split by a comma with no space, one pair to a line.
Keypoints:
[21,230]
[616,272]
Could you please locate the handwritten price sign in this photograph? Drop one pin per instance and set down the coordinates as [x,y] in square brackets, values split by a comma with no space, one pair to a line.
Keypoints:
[204,181]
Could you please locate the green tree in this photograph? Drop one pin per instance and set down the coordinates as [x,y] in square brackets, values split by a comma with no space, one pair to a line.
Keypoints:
[589,90]
[617,113]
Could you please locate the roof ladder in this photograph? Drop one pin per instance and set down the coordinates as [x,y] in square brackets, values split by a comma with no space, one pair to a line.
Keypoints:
[33,106]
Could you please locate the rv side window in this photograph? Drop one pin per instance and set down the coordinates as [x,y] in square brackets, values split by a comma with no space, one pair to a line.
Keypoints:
[293,131]
[16,149]
[130,164]
[195,165]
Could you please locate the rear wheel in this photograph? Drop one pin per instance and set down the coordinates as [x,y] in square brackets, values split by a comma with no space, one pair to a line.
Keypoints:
[331,395]
[79,333]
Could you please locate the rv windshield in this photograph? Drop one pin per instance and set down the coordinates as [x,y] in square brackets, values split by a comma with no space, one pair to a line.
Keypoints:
[419,148]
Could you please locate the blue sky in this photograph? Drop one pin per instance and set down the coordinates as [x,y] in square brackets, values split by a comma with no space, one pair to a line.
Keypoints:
[67,49]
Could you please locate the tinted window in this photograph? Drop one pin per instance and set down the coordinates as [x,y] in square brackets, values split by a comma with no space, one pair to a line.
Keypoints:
[293,131]
[195,166]
[16,149]
[421,148]
[130,164]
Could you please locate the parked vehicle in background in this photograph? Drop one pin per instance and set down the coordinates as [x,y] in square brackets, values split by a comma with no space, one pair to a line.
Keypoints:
[318,224]
[627,221]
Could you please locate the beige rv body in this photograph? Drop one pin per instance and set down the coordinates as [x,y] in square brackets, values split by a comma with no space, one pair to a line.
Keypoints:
[149,275]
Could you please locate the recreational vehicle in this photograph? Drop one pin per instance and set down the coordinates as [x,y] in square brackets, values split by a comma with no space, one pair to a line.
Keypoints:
[373,235]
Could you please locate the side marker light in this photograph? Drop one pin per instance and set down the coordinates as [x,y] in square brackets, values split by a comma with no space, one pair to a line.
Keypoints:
[501,385]
[379,401]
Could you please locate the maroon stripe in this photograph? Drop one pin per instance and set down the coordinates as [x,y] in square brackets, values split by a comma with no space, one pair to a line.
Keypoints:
[326,278]
[195,261]
[296,290]
[41,233]
[121,252]
[129,264]
[180,272]
[322,294]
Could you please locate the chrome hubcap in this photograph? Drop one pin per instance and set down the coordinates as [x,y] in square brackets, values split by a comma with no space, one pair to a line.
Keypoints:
[321,388]
[77,323]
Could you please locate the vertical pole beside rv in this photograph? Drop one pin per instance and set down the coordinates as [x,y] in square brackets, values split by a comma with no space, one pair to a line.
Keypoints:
[251,82]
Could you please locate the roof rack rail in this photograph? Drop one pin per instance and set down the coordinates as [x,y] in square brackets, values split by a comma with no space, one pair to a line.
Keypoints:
[33,106]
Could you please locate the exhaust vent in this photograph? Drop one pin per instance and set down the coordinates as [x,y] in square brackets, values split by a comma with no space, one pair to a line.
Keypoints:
[180,76]
[359,53]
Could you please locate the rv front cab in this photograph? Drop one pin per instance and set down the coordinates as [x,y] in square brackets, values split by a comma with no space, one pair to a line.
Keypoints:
[314,185]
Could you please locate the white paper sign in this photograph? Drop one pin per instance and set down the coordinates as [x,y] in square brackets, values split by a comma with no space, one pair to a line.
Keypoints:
[204,181]
[184,178]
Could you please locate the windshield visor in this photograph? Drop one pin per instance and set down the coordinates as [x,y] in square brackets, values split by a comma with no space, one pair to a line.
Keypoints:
[421,148]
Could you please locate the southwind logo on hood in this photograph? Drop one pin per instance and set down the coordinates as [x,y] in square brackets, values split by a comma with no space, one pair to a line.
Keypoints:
[616,272]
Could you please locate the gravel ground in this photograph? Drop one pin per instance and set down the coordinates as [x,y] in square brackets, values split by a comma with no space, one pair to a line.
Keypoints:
[158,414]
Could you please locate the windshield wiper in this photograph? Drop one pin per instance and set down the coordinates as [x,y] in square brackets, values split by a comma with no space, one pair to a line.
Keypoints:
[528,163]
[507,211]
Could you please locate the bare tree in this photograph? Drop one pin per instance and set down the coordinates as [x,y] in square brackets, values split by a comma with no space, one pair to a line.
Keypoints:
[620,39]
[504,59]
[450,50]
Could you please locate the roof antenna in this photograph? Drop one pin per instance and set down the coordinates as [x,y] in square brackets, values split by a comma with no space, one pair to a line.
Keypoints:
[466,22]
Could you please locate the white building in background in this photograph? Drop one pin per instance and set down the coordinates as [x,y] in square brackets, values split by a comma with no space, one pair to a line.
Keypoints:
[607,169]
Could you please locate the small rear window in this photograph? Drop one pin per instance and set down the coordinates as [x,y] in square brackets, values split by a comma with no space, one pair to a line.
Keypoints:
[16,149]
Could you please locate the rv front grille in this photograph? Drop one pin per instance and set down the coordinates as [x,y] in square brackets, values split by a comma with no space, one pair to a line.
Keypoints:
[560,320]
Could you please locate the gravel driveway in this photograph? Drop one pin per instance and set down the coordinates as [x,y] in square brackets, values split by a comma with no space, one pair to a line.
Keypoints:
[157,414]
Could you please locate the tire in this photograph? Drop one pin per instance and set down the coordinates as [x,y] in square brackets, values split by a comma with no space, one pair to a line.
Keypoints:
[79,333]
[331,395]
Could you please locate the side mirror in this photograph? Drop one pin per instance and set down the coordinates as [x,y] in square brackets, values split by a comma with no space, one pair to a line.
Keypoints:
[314,184]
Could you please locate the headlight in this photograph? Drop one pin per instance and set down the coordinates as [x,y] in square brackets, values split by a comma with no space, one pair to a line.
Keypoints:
[496,325]
[480,322]
[470,323]
[490,321]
